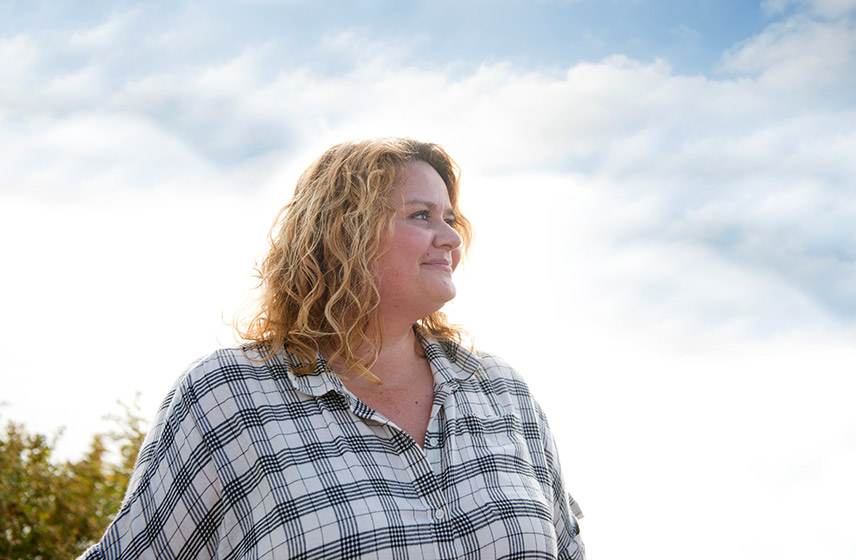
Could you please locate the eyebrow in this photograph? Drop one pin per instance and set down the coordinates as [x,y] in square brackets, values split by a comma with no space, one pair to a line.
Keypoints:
[450,213]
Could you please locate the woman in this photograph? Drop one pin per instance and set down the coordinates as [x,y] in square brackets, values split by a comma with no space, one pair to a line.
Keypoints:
[353,424]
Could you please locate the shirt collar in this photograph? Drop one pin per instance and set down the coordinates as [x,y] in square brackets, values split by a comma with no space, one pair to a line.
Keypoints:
[450,363]
[318,383]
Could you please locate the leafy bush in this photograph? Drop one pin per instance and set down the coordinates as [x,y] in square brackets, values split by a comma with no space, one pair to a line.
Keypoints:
[51,509]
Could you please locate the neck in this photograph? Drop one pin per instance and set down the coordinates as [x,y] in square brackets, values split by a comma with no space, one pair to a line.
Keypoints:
[397,355]
[398,352]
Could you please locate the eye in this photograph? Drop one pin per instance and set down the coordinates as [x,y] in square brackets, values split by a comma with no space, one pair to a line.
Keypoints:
[451,221]
[421,215]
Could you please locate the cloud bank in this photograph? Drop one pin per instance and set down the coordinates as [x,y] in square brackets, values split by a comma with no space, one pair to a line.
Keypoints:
[752,167]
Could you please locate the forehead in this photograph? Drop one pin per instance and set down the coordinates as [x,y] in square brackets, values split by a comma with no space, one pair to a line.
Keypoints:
[420,183]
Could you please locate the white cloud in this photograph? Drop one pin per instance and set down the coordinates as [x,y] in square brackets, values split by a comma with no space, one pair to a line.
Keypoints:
[800,58]
[825,8]
[104,38]
[685,32]
[18,53]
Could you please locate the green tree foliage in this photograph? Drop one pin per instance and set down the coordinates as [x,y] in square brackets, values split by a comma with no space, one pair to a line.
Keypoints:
[51,509]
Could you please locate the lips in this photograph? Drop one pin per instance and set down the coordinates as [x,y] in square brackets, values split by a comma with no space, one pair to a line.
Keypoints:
[441,264]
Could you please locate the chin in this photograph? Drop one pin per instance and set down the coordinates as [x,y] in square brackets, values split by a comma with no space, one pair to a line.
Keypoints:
[446,300]
[438,304]
[446,294]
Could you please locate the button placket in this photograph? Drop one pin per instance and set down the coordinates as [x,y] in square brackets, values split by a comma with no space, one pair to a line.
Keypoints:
[425,481]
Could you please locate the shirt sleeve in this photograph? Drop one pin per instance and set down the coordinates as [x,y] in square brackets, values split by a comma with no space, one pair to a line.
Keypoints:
[566,512]
[173,505]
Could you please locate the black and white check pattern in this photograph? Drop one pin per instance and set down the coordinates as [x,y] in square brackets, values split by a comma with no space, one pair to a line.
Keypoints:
[248,460]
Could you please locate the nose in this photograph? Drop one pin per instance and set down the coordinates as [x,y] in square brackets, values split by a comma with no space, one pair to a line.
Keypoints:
[447,237]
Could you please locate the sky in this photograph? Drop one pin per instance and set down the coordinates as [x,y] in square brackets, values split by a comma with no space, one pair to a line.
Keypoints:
[664,196]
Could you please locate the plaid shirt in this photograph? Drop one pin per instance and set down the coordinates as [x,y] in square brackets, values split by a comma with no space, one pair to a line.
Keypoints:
[248,460]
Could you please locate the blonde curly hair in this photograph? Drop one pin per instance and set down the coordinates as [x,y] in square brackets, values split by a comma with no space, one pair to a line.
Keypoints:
[317,281]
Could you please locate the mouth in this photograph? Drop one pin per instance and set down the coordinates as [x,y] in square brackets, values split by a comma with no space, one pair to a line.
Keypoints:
[439,265]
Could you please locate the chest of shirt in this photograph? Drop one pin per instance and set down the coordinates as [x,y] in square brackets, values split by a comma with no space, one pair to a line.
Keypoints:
[322,471]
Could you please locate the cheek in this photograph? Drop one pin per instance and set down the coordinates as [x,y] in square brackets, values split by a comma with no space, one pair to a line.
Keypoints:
[412,245]
[404,252]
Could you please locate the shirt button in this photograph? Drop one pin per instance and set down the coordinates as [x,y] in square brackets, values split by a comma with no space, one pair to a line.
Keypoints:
[439,514]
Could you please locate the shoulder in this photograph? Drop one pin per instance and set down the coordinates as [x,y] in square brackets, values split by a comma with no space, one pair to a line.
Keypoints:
[226,372]
[496,366]
[499,372]
[226,363]
[493,378]
[468,361]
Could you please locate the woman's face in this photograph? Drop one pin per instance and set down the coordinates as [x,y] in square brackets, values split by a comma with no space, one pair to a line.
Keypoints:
[415,269]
